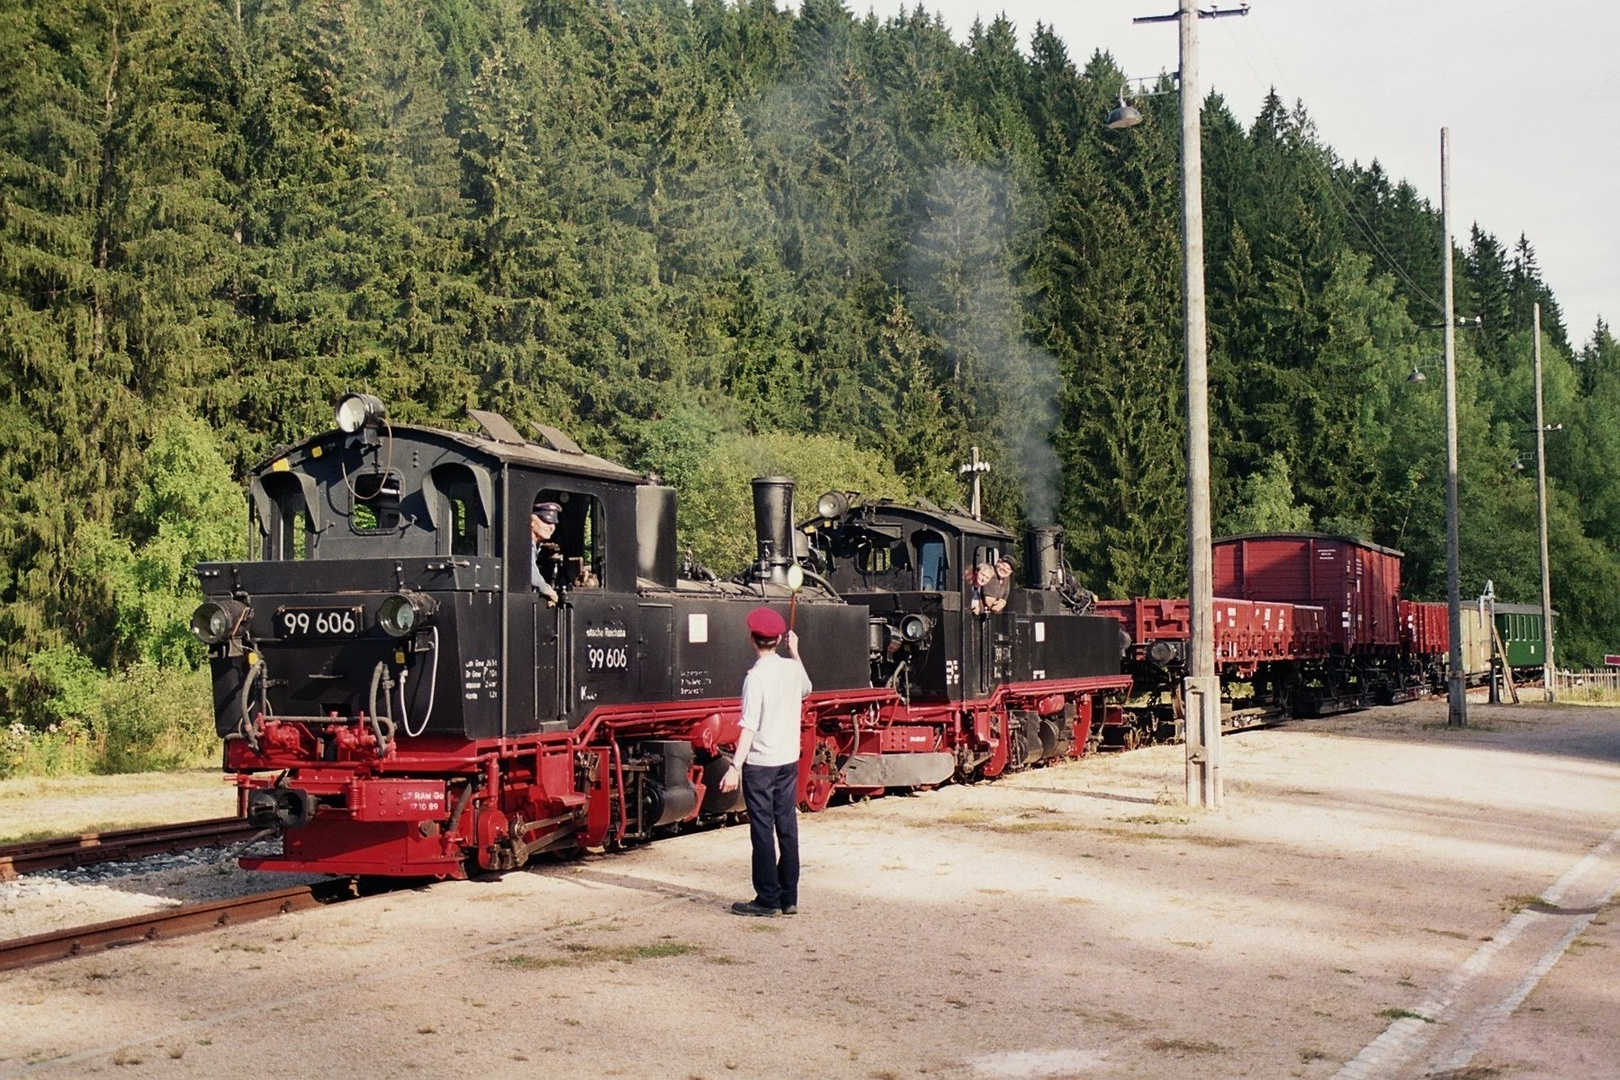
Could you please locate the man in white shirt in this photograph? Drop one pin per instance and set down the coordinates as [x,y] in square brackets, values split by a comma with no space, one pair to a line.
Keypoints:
[767,765]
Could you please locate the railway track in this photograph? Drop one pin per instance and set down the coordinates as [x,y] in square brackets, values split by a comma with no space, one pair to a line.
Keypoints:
[33,856]
[161,925]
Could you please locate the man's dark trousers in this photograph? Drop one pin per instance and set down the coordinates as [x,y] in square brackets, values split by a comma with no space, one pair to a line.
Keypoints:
[770,793]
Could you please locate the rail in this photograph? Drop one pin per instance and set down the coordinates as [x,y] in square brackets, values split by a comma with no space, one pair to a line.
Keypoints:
[162,925]
[32,856]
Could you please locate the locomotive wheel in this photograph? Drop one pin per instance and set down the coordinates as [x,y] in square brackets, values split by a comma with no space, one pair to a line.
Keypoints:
[818,792]
[823,777]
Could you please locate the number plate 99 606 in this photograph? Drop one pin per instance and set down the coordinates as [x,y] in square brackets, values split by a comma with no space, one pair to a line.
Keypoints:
[319,622]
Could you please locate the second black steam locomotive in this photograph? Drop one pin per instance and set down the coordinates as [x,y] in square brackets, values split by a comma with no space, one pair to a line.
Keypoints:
[398,699]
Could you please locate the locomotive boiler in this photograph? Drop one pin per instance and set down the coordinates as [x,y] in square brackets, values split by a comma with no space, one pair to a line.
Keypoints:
[414,677]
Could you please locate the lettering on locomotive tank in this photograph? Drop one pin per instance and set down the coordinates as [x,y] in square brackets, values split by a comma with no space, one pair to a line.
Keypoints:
[480,677]
[695,683]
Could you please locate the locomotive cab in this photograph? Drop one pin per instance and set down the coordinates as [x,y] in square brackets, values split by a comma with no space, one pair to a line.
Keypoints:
[913,567]
[380,555]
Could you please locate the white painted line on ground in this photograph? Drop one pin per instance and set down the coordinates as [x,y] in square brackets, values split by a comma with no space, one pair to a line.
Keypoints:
[1483,1024]
[1404,1038]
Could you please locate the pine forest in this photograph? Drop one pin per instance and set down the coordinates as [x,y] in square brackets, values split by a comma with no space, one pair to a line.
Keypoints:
[706,238]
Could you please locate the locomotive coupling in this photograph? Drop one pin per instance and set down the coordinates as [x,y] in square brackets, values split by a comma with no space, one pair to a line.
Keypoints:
[280,808]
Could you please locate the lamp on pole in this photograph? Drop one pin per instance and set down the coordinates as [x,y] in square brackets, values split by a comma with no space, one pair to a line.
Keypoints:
[1456,688]
[1203,689]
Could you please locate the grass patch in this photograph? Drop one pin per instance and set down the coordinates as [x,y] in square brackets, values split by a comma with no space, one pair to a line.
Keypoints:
[968,817]
[1184,1047]
[1404,1014]
[581,955]
[1154,819]
[1034,827]
[1516,904]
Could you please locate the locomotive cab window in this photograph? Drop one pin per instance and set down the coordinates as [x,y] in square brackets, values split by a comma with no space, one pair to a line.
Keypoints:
[986,555]
[457,509]
[286,525]
[933,568]
[573,556]
[374,508]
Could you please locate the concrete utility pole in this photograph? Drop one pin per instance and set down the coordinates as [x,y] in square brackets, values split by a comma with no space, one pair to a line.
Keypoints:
[1457,688]
[1202,686]
[975,468]
[1541,508]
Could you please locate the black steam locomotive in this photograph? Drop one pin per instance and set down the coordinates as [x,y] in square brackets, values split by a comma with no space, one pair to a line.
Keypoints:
[412,682]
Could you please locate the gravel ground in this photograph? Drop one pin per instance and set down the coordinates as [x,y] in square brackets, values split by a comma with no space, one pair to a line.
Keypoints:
[1364,905]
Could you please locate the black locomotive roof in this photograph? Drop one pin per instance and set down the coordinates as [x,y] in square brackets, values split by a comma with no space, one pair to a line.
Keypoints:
[868,512]
[525,453]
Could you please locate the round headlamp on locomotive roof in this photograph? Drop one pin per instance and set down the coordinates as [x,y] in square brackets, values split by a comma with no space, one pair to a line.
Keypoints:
[216,620]
[833,505]
[356,412]
[404,612]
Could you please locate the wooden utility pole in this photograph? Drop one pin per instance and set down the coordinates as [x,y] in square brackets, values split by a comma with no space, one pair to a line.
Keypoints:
[1541,507]
[1203,687]
[1457,688]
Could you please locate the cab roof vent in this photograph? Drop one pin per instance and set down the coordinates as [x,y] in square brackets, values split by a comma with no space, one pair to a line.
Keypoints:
[497,427]
[552,439]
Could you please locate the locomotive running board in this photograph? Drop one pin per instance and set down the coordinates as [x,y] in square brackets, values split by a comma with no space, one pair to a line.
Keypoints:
[898,770]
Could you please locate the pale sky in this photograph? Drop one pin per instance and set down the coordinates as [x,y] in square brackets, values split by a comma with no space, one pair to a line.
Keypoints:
[1529,88]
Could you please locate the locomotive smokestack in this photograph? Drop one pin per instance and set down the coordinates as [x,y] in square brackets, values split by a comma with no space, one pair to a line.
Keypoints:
[1043,557]
[773,523]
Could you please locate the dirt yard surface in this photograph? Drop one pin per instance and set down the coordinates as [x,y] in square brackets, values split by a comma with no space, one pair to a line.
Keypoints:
[1379,897]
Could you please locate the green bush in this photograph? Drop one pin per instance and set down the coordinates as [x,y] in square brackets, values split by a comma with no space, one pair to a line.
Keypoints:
[144,718]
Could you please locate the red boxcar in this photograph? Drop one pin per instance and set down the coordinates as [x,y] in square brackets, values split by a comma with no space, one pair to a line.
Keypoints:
[1357,585]
[1425,627]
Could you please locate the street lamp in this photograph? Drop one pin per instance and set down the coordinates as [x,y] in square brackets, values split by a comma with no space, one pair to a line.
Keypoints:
[1203,688]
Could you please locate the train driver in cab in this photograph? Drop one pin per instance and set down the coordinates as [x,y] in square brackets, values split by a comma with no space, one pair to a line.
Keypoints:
[545,556]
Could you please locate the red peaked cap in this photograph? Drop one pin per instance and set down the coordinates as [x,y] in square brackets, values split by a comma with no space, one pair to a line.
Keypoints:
[765,623]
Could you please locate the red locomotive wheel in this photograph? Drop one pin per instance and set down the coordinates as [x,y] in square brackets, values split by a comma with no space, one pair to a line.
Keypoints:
[823,777]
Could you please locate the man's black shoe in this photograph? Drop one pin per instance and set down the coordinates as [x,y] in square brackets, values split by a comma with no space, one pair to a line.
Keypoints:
[748,907]
[790,909]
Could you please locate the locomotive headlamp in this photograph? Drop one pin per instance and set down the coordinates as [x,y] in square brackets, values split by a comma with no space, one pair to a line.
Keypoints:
[404,612]
[1165,653]
[833,505]
[358,411]
[915,628]
[216,620]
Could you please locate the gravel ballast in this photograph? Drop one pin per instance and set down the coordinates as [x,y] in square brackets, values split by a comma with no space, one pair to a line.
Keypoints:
[1375,892]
